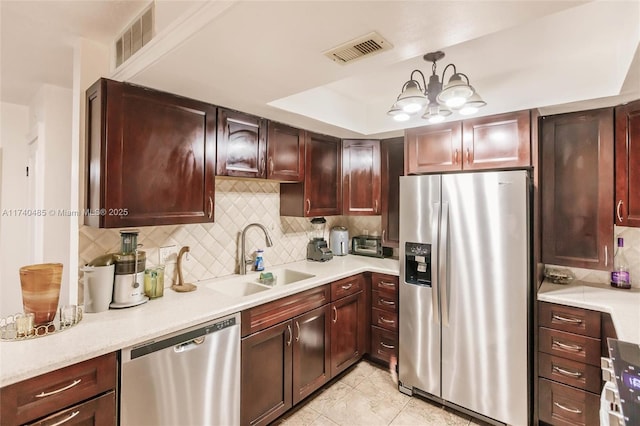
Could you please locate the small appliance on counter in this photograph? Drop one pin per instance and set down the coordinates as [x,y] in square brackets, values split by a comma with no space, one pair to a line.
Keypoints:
[339,241]
[367,245]
[128,285]
[98,283]
[317,248]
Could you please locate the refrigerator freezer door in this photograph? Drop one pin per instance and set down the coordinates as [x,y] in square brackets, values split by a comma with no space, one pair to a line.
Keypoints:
[419,325]
[485,310]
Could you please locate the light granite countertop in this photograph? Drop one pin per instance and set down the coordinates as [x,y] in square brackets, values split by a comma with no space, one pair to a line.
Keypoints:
[105,332]
[622,305]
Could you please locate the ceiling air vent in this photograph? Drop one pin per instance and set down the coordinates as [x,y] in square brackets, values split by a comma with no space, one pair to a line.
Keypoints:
[136,35]
[367,45]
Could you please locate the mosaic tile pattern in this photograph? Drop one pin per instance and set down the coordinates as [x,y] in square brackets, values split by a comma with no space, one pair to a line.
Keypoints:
[214,248]
[632,253]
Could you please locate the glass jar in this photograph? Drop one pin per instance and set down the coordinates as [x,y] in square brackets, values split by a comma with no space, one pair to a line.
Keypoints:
[154,282]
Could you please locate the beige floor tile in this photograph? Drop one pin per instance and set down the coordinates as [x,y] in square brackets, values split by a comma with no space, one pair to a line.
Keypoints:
[323,402]
[361,371]
[420,412]
[324,421]
[356,409]
[305,416]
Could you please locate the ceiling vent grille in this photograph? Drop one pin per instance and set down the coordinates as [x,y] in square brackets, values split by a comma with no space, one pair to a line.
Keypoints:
[139,33]
[367,45]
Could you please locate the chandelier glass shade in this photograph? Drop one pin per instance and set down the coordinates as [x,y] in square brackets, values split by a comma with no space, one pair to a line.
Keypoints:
[436,101]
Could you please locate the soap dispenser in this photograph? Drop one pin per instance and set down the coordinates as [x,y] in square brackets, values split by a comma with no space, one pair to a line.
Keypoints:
[259,264]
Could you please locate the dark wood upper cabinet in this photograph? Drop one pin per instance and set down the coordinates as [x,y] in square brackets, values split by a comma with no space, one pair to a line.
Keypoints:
[627,171]
[435,148]
[577,189]
[285,153]
[493,142]
[497,141]
[321,192]
[144,149]
[391,168]
[241,145]
[361,177]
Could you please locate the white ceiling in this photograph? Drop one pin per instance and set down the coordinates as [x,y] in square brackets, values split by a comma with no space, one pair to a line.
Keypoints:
[265,57]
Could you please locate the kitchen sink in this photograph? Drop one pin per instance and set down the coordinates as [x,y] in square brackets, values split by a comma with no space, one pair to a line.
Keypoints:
[285,277]
[237,289]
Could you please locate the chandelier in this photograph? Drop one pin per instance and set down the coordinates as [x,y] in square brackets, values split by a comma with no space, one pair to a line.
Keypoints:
[437,102]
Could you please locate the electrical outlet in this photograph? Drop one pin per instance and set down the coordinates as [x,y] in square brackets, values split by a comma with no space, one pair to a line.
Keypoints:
[168,254]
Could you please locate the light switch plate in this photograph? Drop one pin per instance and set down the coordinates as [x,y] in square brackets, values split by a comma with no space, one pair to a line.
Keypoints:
[168,254]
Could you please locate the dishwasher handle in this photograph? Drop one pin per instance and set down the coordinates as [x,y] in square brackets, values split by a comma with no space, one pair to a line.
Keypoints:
[187,346]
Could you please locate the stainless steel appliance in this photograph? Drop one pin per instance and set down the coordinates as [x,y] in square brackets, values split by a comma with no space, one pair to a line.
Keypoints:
[317,248]
[191,377]
[339,241]
[128,283]
[621,372]
[365,245]
[465,292]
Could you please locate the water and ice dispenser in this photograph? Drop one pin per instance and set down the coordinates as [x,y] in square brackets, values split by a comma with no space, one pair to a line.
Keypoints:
[417,264]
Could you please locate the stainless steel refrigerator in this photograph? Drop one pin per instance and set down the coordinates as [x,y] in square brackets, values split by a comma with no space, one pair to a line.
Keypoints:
[465,292]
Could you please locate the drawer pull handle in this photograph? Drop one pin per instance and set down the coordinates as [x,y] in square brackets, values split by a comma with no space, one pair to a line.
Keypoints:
[66,419]
[573,348]
[386,284]
[618,211]
[384,345]
[298,327]
[571,410]
[564,372]
[335,315]
[45,394]
[347,287]
[386,321]
[290,335]
[567,320]
[387,302]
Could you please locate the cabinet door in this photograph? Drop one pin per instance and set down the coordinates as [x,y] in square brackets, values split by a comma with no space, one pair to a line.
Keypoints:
[322,183]
[577,189]
[285,157]
[311,352]
[144,149]
[432,149]
[497,141]
[627,154]
[242,144]
[348,328]
[266,375]
[361,177]
[392,167]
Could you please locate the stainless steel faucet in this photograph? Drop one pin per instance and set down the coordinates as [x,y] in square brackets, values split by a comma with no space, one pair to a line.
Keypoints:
[243,257]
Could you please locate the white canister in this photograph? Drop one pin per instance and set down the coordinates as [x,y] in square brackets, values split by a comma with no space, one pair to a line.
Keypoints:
[98,287]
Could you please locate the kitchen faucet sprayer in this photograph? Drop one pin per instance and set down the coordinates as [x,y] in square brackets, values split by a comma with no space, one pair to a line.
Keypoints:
[243,257]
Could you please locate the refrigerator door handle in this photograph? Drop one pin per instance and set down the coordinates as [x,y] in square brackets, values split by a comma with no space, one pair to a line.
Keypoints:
[442,263]
[434,261]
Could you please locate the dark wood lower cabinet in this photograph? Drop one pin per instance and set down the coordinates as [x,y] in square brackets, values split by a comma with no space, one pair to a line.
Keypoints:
[311,352]
[567,406]
[99,411]
[266,375]
[347,332]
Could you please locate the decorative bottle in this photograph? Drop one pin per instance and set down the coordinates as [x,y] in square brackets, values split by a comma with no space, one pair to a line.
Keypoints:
[259,264]
[620,274]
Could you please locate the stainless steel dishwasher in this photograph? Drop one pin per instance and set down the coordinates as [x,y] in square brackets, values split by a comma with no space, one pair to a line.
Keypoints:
[191,377]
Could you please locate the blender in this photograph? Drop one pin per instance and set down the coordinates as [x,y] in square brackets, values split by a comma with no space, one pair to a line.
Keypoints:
[317,248]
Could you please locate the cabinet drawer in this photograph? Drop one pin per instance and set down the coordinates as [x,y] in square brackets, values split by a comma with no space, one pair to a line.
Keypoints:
[564,405]
[272,313]
[574,373]
[346,287]
[570,346]
[48,393]
[384,301]
[384,319]
[567,318]
[99,411]
[384,343]
[384,283]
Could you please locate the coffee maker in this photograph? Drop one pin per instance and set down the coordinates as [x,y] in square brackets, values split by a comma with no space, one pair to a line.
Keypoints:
[317,249]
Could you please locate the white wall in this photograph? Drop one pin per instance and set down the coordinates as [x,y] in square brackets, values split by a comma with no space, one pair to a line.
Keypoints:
[14,126]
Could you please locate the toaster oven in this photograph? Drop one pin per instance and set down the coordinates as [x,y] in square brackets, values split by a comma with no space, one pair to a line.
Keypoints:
[366,245]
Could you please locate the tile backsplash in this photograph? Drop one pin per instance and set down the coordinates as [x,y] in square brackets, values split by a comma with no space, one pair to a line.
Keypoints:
[632,253]
[214,247]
